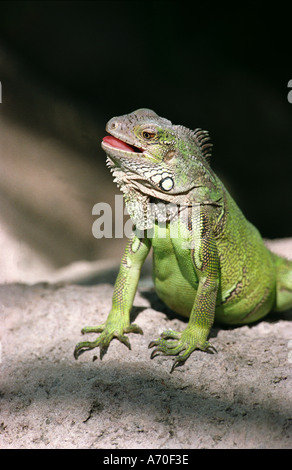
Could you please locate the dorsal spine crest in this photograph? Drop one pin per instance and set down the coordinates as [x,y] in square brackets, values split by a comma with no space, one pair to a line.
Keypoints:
[204,142]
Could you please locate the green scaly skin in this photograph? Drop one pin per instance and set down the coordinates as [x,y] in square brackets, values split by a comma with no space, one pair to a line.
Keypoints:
[209,262]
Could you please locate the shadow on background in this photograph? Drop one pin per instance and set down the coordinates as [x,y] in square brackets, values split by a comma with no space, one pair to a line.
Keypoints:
[103,397]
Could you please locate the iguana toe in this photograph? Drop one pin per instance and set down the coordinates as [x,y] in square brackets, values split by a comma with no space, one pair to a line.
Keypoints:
[182,345]
[108,333]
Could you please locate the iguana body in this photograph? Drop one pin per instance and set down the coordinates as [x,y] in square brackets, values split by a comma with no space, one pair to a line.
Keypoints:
[209,262]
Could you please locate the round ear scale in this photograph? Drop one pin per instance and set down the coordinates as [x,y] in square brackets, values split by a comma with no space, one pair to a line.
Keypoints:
[166,184]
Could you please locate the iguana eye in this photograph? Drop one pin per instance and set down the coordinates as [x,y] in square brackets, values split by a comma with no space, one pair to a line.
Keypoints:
[148,135]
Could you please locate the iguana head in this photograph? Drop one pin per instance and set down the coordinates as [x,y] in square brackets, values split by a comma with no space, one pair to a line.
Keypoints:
[152,158]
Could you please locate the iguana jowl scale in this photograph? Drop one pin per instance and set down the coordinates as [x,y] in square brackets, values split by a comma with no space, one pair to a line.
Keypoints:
[217,268]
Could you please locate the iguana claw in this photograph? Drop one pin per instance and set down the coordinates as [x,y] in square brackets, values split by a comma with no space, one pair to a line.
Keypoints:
[172,343]
[103,341]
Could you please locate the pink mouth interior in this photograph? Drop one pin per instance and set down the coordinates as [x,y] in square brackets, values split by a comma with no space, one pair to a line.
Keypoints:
[119,144]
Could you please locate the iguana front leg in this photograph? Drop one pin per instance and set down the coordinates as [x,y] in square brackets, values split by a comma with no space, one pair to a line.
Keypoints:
[205,260]
[118,320]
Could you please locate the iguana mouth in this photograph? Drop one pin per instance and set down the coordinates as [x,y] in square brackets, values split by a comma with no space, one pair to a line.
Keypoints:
[113,142]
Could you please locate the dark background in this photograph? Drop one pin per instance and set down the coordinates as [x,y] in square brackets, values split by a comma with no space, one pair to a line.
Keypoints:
[68,67]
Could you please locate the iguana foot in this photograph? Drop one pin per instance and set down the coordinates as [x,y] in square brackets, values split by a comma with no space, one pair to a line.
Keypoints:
[172,343]
[108,332]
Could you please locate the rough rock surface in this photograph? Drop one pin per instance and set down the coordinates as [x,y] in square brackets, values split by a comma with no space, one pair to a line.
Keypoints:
[238,398]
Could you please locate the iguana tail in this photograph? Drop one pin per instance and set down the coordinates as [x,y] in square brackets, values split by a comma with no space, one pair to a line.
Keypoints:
[284,283]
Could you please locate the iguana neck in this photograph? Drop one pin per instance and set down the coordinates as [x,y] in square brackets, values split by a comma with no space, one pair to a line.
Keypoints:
[142,201]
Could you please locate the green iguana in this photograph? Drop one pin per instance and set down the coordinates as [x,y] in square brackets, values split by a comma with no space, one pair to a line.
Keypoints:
[209,262]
